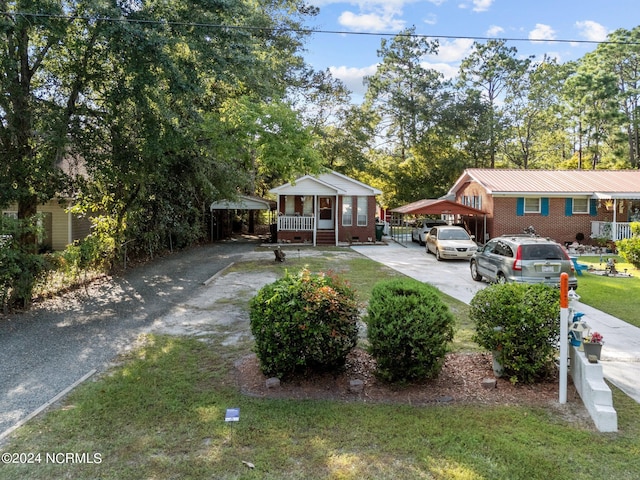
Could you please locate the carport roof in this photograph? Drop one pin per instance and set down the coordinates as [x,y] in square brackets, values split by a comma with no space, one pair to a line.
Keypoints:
[436,206]
[244,202]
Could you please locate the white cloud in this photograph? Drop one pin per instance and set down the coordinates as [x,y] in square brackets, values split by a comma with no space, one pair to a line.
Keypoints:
[449,71]
[592,31]
[371,22]
[494,31]
[431,19]
[542,32]
[481,5]
[453,51]
[476,5]
[353,77]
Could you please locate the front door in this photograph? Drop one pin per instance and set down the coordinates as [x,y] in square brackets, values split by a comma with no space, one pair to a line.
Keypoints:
[325,213]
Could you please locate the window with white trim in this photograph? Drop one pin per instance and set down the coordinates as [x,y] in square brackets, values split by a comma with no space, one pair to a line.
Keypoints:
[532,205]
[307,205]
[289,204]
[580,205]
[347,211]
[363,213]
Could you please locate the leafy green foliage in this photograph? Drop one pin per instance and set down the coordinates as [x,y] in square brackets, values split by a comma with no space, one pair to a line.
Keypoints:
[520,323]
[629,248]
[20,268]
[409,329]
[304,322]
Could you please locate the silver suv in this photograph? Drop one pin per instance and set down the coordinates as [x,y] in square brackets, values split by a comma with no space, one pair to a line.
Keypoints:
[522,258]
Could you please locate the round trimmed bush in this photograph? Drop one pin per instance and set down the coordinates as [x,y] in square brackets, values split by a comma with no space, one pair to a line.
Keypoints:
[409,329]
[304,322]
[520,323]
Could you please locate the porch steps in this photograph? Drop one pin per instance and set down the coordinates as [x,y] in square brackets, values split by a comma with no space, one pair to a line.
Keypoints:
[326,237]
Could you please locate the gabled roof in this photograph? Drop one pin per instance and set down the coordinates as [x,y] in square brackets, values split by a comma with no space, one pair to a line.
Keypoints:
[438,206]
[243,202]
[329,183]
[598,183]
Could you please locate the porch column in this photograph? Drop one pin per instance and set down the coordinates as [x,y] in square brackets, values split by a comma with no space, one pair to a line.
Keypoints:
[335,235]
[316,216]
[614,226]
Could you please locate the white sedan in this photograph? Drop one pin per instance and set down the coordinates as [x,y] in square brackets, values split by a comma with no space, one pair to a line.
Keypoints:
[450,242]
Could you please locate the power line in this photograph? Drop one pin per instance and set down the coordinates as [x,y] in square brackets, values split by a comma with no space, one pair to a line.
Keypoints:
[311,31]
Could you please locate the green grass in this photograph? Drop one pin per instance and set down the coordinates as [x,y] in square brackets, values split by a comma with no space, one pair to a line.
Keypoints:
[160,415]
[616,296]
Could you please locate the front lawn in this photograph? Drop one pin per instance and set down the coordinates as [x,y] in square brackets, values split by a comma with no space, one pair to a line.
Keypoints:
[161,416]
[616,296]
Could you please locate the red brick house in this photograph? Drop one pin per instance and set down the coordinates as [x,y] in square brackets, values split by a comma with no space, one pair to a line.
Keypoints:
[559,204]
[327,209]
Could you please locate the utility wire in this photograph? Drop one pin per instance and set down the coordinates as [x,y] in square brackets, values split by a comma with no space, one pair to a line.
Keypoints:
[310,31]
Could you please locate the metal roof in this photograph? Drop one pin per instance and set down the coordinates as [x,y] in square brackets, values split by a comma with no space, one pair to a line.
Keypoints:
[244,202]
[599,183]
[437,206]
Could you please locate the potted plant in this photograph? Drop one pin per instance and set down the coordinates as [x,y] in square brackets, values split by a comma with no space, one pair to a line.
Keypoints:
[593,345]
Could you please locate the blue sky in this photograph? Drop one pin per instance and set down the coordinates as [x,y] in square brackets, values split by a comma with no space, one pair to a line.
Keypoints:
[350,57]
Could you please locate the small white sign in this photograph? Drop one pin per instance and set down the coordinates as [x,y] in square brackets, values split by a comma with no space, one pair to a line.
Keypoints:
[232,415]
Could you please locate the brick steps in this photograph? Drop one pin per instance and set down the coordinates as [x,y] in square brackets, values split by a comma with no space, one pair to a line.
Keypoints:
[326,237]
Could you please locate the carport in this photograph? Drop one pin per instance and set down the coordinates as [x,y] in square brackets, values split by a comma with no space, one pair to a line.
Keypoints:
[224,213]
[473,219]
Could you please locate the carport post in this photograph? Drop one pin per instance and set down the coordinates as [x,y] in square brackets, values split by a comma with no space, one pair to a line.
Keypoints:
[564,335]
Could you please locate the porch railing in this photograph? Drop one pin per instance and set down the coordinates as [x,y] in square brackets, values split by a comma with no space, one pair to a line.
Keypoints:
[612,231]
[296,223]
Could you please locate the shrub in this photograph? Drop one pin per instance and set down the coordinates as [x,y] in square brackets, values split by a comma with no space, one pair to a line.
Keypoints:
[629,248]
[304,322]
[519,322]
[20,267]
[409,328]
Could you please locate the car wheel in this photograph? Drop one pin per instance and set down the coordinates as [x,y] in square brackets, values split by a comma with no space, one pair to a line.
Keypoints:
[474,272]
[501,278]
[420,241]
[438,257]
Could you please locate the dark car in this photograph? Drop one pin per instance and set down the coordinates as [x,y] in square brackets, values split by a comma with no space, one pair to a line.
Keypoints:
[522,258]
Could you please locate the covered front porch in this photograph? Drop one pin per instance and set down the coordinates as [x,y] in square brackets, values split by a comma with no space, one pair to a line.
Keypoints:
[314,219]
[624,210]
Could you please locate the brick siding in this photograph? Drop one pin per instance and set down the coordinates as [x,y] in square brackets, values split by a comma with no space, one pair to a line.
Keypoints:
[503,218]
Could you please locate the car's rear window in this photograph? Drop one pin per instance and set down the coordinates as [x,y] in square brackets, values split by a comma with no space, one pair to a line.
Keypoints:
[453,234]
[542,252]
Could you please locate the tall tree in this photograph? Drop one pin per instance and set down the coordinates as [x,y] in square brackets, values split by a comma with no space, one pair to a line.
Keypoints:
[535,133]
[403,92]
[591,94]
[621,56]
[488,68]
[32,110]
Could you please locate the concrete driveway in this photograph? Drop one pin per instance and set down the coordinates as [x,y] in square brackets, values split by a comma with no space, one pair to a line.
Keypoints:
[450,276]
[620,355]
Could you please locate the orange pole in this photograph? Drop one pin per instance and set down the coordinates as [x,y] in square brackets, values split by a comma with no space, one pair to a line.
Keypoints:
[564,290]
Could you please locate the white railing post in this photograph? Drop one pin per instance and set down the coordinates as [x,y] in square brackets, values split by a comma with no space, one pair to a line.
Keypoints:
[296,223]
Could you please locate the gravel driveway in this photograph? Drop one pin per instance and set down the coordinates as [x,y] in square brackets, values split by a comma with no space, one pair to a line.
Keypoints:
[44,351]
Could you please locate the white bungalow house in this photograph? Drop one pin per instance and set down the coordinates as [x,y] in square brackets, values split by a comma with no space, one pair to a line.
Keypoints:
[326,209]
